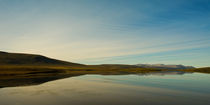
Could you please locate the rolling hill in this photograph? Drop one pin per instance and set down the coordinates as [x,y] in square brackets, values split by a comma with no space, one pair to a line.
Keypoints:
[32,64]
[30,59]
[18,69]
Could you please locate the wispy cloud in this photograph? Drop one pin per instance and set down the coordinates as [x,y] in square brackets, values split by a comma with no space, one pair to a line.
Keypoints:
[99,31]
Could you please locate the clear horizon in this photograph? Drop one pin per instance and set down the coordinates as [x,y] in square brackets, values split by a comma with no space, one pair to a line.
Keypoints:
[109,32]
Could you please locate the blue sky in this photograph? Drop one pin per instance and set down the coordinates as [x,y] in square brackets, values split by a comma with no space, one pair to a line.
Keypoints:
[109,31]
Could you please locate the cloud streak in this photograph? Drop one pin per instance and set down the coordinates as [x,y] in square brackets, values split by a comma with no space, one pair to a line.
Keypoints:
[102,31]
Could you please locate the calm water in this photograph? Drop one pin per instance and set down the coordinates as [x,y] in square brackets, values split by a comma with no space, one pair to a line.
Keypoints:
[154,89]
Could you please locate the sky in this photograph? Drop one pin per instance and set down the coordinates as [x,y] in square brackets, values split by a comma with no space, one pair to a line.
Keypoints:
[109,31]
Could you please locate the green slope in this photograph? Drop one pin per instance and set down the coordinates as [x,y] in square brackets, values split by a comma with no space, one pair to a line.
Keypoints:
[30,59]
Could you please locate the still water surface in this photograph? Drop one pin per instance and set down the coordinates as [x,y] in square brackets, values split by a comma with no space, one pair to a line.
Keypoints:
[154,89]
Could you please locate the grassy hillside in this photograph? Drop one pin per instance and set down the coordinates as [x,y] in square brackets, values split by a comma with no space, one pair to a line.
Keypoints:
[29,69]
[30,59]
[24,65]
[201,70]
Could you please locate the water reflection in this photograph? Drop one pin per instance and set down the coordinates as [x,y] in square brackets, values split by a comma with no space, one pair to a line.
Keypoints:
[13,81]
[188,89]
[162,73]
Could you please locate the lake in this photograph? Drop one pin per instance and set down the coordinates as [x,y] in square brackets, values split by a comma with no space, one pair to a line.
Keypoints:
[143,89]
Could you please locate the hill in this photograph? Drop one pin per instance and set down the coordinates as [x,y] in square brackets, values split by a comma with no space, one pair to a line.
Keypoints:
[30,59]
[201,70]
[32,64]
[18,69]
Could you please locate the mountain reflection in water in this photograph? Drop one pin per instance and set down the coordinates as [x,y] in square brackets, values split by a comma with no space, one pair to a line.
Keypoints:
[13,81]
[163,88]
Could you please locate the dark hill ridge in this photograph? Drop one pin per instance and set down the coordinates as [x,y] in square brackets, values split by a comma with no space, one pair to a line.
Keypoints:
[33,59]
[30,59]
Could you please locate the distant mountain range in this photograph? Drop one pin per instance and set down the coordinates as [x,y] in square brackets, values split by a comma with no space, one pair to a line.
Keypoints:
[163,66]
